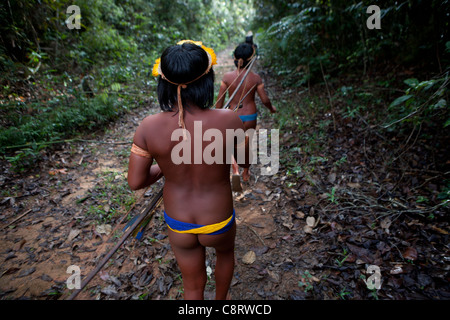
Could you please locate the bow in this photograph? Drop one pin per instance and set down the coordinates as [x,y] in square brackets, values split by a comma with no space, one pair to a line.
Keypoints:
[227,104]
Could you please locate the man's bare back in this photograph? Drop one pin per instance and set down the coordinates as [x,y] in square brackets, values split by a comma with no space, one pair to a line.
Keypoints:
[252,84]
[244,99]
[231,80]
[197,195]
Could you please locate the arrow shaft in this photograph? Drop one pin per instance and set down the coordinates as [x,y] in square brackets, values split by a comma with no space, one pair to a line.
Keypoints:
[227,104]
[150,210]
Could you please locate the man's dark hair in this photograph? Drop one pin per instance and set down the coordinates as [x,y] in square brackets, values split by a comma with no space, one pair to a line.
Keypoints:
[243,51]
[182,64]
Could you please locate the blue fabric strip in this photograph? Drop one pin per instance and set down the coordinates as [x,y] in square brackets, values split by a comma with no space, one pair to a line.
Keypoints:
[184,226]
[248,117]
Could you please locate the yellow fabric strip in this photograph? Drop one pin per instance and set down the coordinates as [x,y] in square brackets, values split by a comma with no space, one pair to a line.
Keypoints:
[205,229]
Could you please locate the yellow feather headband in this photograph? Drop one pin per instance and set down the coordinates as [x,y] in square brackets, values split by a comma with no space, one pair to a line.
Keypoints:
[209,51]
[158,72]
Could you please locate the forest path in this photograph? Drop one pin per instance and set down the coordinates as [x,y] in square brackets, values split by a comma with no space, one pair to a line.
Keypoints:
[69,205]
[311,231]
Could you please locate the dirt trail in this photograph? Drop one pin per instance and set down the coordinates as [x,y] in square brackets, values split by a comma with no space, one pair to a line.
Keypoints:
[294,240]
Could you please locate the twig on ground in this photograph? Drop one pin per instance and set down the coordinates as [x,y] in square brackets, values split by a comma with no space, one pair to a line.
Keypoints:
[18,218]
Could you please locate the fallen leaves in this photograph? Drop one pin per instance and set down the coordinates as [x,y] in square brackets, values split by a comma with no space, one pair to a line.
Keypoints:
[103,229]
[385,224]
[26,272]
[441,231]
[73,234]
[397,269]
[322,238]
[311,223]
[354,185]
[54,172]
[410,254]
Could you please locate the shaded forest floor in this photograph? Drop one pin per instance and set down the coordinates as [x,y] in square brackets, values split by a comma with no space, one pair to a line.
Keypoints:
[336,207]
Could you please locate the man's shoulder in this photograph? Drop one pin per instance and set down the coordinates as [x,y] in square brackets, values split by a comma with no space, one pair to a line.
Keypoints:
[152,122]
[230,75]
[223,113]
[256,77]
[153,117]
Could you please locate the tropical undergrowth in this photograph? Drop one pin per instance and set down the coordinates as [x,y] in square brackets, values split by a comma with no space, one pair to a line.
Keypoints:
[59,83]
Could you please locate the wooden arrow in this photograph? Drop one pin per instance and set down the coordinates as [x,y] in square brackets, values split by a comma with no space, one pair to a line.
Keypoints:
[148,211]
[227,104]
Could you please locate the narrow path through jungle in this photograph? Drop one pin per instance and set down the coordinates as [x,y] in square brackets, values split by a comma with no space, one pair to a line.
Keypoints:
[294,240]
[58,228]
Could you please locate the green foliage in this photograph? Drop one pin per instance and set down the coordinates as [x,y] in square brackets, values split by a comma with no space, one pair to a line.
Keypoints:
[445,194]
[109,198]
[299,39]
[30,133]
[328,42]
[56,82]
[423,102]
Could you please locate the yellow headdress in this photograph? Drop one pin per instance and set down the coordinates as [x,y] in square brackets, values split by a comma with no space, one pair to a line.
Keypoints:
[158,72]
[209,51]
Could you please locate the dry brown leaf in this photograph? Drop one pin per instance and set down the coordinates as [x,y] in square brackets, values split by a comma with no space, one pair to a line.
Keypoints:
[386,223]
[410,253]
[307,229]
[73,234]
[249,257]
[310,221]
[56,171]
[438,229]
[332,177]
[354,185]
[396,270]
[299,215]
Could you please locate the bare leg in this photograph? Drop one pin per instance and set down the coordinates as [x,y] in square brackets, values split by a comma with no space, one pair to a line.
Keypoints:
[224,268]
[248,125]
[224,273]
[235,166]
[246,174]
[235,179]
[190,255]
[189,251]
[224,245]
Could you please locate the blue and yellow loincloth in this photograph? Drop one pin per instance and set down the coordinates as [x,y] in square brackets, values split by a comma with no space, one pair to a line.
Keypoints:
[249,117]
[211,229]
